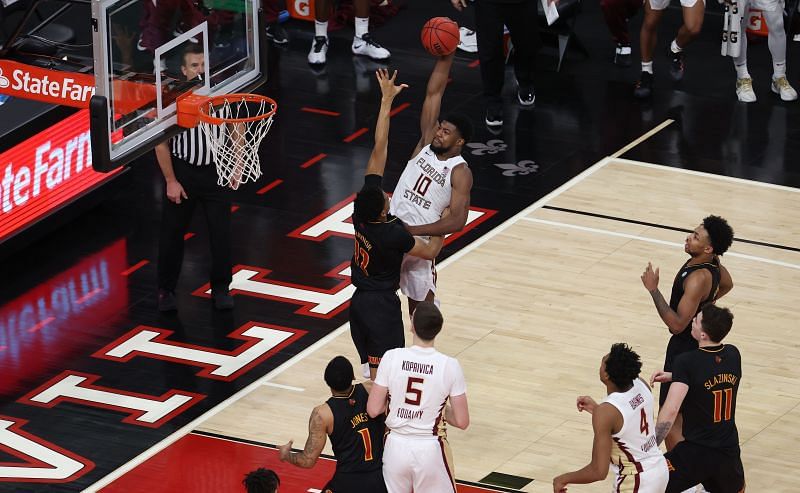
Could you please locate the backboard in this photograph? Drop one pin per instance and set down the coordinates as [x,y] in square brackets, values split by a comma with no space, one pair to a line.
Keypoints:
[144,53]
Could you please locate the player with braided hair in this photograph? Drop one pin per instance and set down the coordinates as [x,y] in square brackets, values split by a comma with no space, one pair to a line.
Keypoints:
[624,431]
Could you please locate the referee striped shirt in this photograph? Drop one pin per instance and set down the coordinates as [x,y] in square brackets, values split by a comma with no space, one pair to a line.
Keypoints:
[194,146]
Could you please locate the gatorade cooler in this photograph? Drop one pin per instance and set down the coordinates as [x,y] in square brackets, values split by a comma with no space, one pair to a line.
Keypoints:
[301,9]
[755,24]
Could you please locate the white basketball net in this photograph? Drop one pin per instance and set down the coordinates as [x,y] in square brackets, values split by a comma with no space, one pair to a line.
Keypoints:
[235,145]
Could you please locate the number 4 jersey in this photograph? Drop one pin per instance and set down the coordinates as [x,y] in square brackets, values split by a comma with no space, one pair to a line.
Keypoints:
[634,450]
[419,380]
[424,188]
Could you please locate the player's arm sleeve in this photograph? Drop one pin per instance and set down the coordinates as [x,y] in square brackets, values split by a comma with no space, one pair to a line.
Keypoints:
[680,369]
[459,384]
[373,181]
[382,376]
[400,239]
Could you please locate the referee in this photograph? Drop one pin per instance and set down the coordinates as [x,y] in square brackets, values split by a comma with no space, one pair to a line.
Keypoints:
[187,164]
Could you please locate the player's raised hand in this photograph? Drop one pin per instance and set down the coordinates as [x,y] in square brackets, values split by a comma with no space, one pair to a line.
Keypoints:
[661,376]
[586,403]
[285,450]
[388,87]
[650,278]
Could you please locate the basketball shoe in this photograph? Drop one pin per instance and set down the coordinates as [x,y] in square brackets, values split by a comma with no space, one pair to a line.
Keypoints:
[367,46]
[319,49]
[781,87]
[677,65]
[166,301]
[494,117]
[644,88]
[744,90]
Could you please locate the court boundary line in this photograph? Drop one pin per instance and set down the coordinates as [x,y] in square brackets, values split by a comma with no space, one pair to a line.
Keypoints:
[743,181]
[641,139]
[656,241]
[189,427]
[626,220]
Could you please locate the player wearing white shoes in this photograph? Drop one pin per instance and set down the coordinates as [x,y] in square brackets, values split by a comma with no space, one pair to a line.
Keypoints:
[624,430]
[772,14]
[435,178]
[418,381]
[363,43]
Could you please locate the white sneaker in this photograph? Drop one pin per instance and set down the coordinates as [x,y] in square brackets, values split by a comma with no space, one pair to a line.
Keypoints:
[367,46]
[781,86]
[468,40]
[744,90]
[319,49]
[365,370]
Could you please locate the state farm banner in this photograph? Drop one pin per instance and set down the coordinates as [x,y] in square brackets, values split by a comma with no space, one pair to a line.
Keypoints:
[45,172]
[48,86]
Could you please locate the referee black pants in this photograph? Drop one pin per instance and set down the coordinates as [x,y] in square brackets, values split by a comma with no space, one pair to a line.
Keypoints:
[200,184]
[521,18]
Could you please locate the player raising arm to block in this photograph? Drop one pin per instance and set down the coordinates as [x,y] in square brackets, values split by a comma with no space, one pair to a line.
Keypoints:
[381,240]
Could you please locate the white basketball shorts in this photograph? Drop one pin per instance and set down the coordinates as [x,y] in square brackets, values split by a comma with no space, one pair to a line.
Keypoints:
[417,463]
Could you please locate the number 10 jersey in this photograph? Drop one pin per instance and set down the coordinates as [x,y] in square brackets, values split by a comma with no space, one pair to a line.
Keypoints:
[424,188]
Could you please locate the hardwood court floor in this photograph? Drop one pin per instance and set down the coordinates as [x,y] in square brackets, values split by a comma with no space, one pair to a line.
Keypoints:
[532,307]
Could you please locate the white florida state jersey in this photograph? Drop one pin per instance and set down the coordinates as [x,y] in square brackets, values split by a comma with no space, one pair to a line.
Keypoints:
[424,189]
[419,381]
[634,450]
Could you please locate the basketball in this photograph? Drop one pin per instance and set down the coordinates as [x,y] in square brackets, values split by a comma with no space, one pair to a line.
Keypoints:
[440,36]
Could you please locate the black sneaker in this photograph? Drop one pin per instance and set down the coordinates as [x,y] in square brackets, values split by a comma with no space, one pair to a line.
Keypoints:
[166,301]
[644,88]
[525,96]
[222,300]
[622,55]
[677,65]
[277,34]
[494,117]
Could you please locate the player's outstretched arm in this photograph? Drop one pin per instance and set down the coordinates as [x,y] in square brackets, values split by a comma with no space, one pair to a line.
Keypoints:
[320,422]
[668,412]
[603,421]
[377,160]
[429,119]
[459,207]
[427,249]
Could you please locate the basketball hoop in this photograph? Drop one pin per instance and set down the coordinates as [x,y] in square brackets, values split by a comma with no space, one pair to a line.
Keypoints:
[234,125]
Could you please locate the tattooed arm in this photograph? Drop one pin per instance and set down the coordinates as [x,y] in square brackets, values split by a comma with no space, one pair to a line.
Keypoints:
[668,412]
[695,288]
[319,425]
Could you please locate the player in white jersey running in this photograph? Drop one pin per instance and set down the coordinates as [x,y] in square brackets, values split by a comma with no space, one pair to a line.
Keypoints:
[624,430]
[436,177]
[418,381]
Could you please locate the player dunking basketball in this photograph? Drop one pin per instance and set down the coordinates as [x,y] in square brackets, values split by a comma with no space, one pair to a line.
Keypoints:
[624,430]
[376,318]
[701,280]
[435,178]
